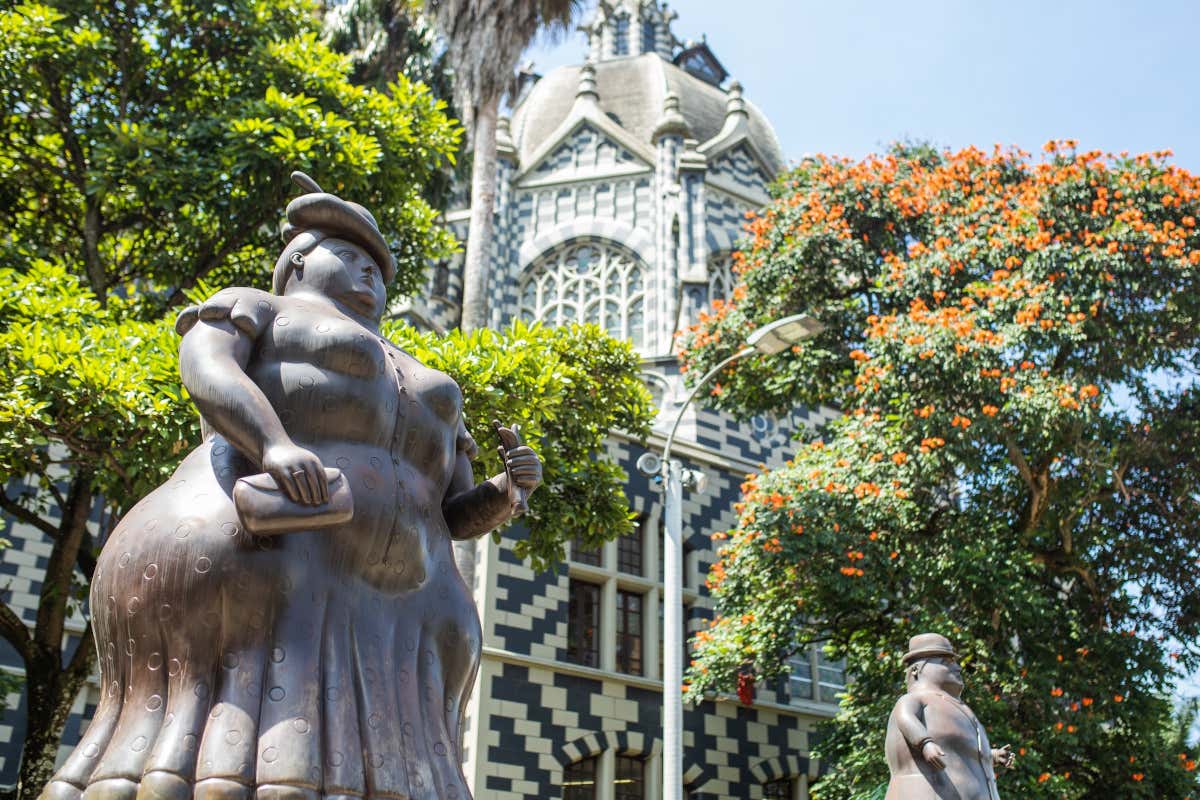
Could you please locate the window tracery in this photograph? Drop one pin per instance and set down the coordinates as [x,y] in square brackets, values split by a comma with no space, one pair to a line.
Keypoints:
[721,277]
[595,281]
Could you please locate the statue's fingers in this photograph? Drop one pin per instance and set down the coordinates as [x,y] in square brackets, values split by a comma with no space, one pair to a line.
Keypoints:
[288,484]
[526,474]
[521,459]
[317,483]
[302,488]
[508,436]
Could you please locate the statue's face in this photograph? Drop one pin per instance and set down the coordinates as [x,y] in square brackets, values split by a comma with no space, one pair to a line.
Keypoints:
[343,271]
[943,672]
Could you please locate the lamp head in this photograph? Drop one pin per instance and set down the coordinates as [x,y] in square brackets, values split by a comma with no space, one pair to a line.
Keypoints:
[784,333]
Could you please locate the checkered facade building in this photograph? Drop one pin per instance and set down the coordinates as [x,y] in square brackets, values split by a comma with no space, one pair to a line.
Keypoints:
[645,150]
[631,152]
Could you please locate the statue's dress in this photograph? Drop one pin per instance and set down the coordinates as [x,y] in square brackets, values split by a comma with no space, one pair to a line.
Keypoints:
[314,663]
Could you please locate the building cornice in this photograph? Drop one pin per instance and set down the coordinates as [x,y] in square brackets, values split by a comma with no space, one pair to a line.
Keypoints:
[521,660]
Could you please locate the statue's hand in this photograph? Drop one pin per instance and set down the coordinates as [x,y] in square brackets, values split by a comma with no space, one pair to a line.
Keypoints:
[934,755]
[524,467]
[298,472]
[1004,757]
[521,464]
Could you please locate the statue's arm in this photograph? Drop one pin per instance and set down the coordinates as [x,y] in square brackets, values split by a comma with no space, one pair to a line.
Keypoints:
[212,362]
[472,510]
[909,715]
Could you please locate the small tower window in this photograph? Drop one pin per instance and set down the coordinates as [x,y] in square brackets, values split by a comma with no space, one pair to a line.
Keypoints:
[649,36]
[621,35]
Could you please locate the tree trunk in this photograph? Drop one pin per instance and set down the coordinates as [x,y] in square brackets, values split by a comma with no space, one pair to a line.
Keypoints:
[483,204]
[51,686]
[475,264]
[50,692]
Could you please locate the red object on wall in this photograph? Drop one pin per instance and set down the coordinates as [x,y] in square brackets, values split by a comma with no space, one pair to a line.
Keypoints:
[745,688]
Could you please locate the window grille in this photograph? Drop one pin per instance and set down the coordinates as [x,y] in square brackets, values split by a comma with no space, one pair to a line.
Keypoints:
[583,554]
[597,282]
[629,551]
[778,790]
[631,779]
[583,624]
[579,780]
[629,632]
[721,278]
[621,35]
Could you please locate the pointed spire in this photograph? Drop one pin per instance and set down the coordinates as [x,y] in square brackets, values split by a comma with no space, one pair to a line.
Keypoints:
[504,141]
[734,104]
[671,122]
[587,84]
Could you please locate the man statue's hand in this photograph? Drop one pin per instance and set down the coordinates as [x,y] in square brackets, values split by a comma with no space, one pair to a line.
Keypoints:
[1004,757]
[934,755]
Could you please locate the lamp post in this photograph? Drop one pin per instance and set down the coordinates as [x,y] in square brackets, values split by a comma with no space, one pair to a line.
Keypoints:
[768,340]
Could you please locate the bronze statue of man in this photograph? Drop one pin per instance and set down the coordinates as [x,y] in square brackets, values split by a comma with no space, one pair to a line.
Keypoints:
[283,619]
[936,747]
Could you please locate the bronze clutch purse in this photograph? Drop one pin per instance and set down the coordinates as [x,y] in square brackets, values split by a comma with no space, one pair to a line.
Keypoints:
[265,509]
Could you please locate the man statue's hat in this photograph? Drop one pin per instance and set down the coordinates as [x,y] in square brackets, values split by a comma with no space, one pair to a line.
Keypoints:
[929,645]
[333,216]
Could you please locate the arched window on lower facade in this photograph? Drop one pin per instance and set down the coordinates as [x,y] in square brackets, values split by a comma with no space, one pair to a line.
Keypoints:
[781,789]
[630,783]
[595,281]
[579,779]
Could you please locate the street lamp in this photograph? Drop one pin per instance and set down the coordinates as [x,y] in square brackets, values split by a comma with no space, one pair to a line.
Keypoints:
[767,340]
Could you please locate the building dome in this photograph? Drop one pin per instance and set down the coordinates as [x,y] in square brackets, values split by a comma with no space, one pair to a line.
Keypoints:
[631,91]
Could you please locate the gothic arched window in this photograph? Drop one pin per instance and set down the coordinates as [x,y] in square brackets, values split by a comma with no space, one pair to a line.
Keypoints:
[621,35]
[595,281]
[721,278]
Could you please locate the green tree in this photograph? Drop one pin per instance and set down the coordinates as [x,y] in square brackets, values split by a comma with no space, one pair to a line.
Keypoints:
[1013,346]
[143,150]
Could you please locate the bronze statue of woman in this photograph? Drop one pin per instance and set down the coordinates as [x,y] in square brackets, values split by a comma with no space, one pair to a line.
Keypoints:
[305,635]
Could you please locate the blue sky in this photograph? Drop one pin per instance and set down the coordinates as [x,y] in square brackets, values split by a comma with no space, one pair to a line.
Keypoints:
[847,77]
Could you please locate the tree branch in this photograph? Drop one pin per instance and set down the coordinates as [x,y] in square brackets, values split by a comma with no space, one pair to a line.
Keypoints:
[25,515]
[1018,459]
[56,585]
[15,632]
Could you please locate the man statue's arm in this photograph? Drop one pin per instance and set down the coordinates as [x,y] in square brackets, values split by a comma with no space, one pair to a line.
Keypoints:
[910,720]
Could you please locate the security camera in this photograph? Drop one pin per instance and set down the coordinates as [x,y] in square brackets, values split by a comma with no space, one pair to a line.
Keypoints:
[649,465]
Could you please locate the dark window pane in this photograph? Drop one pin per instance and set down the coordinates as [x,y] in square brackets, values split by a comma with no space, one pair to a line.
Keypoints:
[629,633]
[631,779]
[800,679]
[579,780]
[621,35]
[629,551]
[778,790]
[649,40]
[831,675]
[584,554]
[583,624]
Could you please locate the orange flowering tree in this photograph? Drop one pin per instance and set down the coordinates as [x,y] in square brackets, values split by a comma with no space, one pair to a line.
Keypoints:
[1013,344]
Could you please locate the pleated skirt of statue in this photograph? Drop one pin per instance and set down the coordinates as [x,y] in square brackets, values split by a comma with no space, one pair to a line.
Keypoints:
[235,667]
